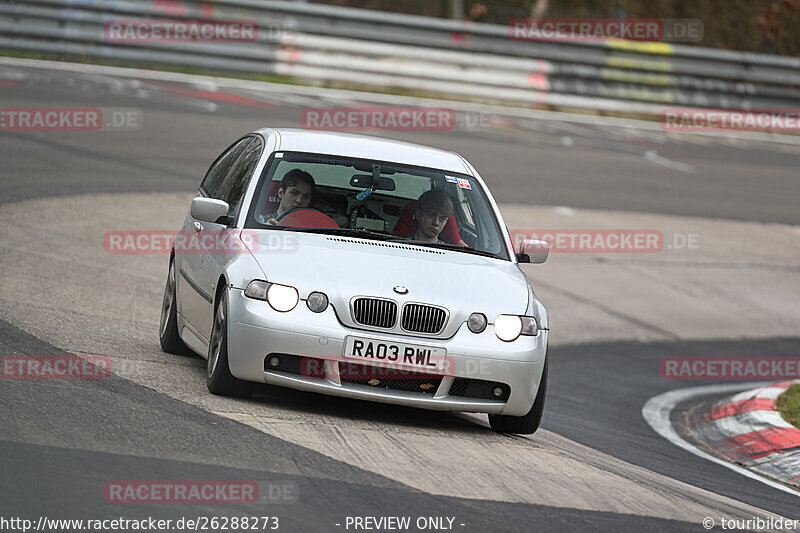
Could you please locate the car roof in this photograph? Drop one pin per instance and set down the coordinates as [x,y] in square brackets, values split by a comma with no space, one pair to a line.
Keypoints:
[367,147]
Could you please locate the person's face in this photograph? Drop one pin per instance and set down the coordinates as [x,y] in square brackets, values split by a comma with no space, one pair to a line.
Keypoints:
[297,195]
[429,225]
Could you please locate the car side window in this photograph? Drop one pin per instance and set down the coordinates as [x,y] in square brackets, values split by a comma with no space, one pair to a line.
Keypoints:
[215,177]
[235,184]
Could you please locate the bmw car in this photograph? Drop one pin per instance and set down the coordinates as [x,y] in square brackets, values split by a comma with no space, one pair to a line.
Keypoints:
[359,267]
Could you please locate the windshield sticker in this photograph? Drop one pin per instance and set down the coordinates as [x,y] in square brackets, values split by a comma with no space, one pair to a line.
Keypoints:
[451,179]
[279,155]
[464,184]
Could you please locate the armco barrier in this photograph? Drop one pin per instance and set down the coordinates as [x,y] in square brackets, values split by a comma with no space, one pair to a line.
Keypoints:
[376,49]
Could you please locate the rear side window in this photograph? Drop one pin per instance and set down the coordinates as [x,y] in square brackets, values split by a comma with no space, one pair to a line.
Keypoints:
[215,177]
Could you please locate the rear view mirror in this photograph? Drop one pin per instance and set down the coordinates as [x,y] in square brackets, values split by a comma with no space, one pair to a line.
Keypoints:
[365,181]
[533,251]
[210,210]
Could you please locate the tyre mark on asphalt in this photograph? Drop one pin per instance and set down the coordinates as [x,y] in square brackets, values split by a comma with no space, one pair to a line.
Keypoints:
[75,150]
[739,265]
[622,316]
[544,469]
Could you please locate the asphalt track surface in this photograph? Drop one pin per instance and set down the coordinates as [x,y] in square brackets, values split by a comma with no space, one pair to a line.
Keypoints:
[61,441]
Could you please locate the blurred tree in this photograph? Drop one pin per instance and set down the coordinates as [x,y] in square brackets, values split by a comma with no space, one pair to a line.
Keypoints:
[477,12]
[767,26]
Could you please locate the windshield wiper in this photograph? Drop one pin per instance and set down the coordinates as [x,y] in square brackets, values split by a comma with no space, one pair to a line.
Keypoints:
[352,232]
[455,247]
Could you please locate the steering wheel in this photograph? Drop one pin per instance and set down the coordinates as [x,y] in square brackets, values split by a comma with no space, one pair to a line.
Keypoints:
[306,217]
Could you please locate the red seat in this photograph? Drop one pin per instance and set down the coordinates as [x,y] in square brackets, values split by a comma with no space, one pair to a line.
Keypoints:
[271,200]
[406,225]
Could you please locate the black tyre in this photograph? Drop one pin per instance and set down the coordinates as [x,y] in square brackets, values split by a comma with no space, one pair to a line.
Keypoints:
[171,342]
[218,374]
[526,424]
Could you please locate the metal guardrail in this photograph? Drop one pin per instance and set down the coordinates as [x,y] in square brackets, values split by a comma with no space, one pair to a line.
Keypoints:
[375,49]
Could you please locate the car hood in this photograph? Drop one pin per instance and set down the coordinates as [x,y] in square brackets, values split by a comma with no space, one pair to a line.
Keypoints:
[345,267]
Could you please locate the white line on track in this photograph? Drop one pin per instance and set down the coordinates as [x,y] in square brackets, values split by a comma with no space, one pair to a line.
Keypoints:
[657,413]
[652,156]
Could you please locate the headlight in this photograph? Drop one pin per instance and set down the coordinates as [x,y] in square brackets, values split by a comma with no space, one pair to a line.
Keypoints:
[282,297]
[317,302]
[507,327]
[476,322]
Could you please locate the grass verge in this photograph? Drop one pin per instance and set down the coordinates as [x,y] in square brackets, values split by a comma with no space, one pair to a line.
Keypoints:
[789,405]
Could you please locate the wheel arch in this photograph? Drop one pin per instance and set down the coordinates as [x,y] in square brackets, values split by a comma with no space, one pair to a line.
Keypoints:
[222,284]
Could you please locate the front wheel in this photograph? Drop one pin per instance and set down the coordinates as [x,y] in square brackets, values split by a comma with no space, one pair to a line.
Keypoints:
[528,423]
[218,374]
[171,342]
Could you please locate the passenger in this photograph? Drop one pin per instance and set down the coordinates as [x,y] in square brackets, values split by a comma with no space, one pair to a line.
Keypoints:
[433,210]
[296,190]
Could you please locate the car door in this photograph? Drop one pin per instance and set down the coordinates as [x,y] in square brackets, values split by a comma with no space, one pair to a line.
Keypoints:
[214,259]
[194,300]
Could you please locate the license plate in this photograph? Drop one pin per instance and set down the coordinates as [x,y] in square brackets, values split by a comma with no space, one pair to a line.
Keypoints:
[395,353]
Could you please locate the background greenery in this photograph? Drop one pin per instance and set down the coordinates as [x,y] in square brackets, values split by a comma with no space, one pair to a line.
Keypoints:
[789,405]
[767,26]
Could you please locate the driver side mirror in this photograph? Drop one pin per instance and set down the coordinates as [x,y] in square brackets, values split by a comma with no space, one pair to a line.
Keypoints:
[210,210]
[533,251]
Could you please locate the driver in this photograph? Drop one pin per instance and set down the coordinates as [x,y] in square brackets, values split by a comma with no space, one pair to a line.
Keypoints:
[433,210]
[296,190]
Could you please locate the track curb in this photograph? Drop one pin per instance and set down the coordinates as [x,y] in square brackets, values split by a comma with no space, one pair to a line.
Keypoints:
[747,429]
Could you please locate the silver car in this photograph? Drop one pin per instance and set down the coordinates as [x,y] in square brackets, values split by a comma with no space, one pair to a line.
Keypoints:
[358,267]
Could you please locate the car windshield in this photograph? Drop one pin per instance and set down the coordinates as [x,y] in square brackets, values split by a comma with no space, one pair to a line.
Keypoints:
[320,193]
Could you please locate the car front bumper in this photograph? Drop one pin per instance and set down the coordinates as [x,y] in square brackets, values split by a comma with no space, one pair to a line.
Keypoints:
[256,330]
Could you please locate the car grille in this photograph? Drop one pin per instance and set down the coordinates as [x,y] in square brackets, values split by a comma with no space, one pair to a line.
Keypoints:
[389,378]
[375,312]
[478,388]
[423,318]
